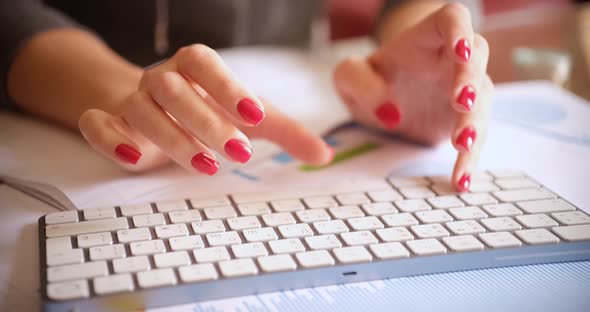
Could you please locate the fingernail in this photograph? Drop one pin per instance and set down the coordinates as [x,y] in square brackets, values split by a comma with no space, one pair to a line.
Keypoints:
[464,182]
[388,114]
[238,150]
[251,112]
[127,153]
[205,163]
[463,50]
[466,138]
[467,97]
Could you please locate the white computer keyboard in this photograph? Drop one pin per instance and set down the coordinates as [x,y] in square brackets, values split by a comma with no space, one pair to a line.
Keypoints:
[141,256]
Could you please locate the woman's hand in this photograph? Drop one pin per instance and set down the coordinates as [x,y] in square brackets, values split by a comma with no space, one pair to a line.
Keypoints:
[428,83]
[187,107]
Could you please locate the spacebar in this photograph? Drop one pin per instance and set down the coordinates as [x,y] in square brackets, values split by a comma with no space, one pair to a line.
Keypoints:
[84,227]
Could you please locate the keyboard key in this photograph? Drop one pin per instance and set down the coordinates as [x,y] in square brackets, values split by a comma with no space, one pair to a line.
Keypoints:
[209,226]
[219,212]
[445,188]
[320,202]
[386,251]
[60,257]
[430,231]
[352,199]
[468,213]
[169,206]
[500,240]
[100,213]
[260,235]
[502,224]
[223,239]
[433,216]
[197,273]
[384,195]
[281,246]
[445,202]
[416,192]
[537,237]
[354,254]
[573,233]
[295,230]
[365,223]
[314,259]
[523,194]
[95,239]
[134,210]
[402,219]
[211,254]
[171,230]
[149,220]
[329,241]
[408,181]
[147,247]
[571,217]
[278,218]
[502,210]
[253,209]
[412,205]
[58,243]
[536,221]
[482,186]
[478,199]
[277,263]
[61,217]
[172,259]
[210,202]
[516,183]
[359,238]
[287,205]
[465,227]
[546,206]
[113,284]
[107,252]
[426,247]
[242,223]
[238,267]
[86,227]
[68,290]
[397,234]
[506,173]
[463,243]
[377,209]
[77,271]
[134,235]
[345,212]
[312,215]
[156,278]
[186,242]
[330,227]
[185,216]
[131,264]
[249,250]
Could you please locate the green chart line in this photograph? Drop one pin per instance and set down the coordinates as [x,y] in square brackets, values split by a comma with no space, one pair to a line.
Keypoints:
[343,156]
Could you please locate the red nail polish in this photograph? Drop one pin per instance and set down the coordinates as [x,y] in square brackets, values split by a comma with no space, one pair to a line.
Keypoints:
[238,150]
[205,163]
[127,153]
[467,97]
[388,114]
[250,111]
[466,138]
[463,50]
[464,182]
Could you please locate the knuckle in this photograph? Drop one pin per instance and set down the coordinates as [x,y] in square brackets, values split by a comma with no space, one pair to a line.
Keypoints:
[167,85]
[208,127]
[196,53]
[455,9]
[343,69]
[136,99]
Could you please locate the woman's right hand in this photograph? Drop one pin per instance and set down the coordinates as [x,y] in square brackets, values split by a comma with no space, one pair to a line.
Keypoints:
[186,107]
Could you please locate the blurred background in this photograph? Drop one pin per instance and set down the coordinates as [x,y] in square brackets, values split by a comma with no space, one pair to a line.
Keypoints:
[529,39]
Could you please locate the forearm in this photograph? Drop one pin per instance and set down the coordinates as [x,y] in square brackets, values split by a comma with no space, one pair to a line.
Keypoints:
[402,17]
[61,73]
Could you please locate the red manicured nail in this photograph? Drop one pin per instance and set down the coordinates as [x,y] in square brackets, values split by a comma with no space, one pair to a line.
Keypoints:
[251,112]
[388,114]
[205,163]
[466,138]
[467,97]
[463,50]
[127,153]
[238,150]
[464,182]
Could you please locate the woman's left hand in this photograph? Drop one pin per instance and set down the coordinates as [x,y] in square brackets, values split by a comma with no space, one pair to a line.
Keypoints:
[428,83]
